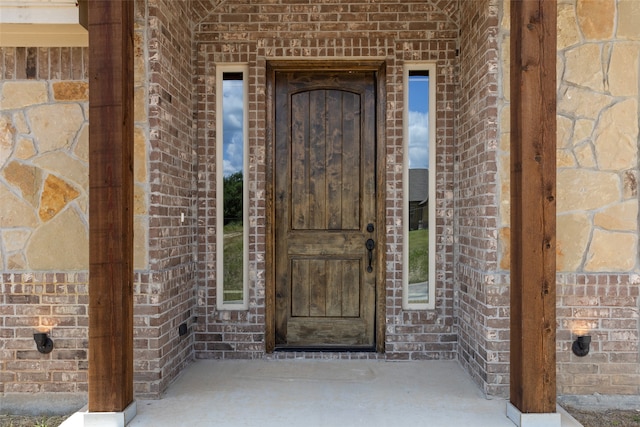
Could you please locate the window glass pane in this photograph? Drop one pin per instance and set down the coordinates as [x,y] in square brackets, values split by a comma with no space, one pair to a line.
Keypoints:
[233,182]
[418,197]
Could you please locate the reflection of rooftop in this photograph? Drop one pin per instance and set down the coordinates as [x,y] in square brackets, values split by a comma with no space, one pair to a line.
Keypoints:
[418,185]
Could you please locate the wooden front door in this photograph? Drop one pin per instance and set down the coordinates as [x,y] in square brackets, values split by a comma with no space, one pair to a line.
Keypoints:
[325,209]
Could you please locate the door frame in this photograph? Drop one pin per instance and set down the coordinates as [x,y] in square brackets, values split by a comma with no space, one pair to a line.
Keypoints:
[379,67]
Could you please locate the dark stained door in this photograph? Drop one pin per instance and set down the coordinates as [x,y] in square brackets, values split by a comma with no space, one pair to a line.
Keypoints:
[325,192]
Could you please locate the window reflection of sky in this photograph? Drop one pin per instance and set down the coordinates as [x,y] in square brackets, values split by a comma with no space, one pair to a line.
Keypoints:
[233,140]
[418,122]
[232,107]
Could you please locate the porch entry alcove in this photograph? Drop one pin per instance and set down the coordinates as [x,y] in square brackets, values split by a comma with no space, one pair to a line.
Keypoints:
[325,175]
[325,291]
[298,60]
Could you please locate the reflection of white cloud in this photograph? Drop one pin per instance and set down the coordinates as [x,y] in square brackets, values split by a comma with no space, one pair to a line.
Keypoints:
[233,106]
[233,141]
[228,168]
[233,153]
[418,140]
[418,158]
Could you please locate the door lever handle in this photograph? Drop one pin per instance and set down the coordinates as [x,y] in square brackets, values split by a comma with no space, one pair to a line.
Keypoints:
[370,244]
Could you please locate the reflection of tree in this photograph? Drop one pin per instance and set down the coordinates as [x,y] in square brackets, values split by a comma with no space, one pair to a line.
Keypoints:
[233,198]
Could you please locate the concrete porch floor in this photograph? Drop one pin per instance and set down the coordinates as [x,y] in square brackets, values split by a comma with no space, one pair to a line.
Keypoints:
[323,393]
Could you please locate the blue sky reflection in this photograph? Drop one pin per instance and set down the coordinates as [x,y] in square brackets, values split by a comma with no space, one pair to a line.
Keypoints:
[233,141]
[418,122]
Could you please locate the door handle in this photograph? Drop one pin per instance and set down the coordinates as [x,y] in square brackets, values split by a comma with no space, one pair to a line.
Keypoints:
[370,244]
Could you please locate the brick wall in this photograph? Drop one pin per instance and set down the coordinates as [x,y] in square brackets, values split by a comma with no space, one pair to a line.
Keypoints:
[394,31]
[604,306]
[166,296]
[63,63]
[482,289]
[48,300]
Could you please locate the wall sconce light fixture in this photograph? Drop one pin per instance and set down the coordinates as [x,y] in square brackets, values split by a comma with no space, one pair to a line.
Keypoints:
[43,342]
[580,346]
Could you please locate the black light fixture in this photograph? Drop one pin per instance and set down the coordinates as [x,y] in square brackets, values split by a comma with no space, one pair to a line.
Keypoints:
[43,342]
[580,346]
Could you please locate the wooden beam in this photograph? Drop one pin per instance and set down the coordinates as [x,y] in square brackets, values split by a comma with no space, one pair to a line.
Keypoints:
[110,205]
[533,212]
[83,12]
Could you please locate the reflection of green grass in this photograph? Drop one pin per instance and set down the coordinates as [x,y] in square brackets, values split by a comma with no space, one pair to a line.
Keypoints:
[418,256]
[233,273]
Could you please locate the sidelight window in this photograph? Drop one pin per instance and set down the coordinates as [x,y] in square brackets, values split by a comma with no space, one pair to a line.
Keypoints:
[231,187]
[419,186]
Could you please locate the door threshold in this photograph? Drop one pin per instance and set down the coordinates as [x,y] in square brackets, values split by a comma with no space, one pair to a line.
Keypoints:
[326,349]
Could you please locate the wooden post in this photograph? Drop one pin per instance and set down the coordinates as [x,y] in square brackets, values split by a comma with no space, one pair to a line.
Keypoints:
[533,213]
[110,205]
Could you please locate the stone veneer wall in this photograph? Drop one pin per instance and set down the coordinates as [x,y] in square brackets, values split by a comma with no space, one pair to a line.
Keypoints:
[598,278]
[393,31]
[43,218]
[482,309]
